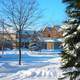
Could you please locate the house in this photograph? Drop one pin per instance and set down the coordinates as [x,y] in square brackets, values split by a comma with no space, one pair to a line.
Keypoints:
[52,32]
[26,38]
[7,39]
[10,39]
[52,37]
[49,37]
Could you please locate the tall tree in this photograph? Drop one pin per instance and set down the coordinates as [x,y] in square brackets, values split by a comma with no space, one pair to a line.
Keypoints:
[71,45]
[20,14]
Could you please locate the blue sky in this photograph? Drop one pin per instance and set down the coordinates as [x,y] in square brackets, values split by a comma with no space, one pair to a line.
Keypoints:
[53,11]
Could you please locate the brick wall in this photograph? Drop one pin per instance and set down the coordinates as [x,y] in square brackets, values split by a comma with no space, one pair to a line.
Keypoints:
[52,33]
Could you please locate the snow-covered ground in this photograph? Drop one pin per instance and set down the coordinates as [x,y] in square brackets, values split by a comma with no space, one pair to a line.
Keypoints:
[43,52]
[32,68]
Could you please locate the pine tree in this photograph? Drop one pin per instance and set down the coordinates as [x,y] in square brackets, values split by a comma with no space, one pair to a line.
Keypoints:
[71,45]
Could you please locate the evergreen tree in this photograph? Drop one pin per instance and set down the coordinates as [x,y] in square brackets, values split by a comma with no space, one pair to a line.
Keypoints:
[71,45]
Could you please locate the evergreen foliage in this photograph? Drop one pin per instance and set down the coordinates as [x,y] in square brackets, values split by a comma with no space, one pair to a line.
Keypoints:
[71,45]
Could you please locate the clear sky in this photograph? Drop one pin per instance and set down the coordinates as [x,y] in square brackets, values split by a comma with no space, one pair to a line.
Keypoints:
[53,11]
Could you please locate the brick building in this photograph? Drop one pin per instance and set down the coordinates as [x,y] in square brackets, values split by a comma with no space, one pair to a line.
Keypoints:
[52,32]
[52,37]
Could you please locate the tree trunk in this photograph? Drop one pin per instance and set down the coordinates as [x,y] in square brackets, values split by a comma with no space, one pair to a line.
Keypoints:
[2,49]
[20,47]
[3,38]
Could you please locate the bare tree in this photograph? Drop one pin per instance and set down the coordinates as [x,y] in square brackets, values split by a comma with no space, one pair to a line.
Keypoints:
[20,14]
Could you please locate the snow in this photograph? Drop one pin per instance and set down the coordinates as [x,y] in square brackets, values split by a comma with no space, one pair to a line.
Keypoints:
[69,36]
[78,28]
[77,45]
[32,68]
[43,52]
[42,72]
[72,19]
[66,26]
[53,40]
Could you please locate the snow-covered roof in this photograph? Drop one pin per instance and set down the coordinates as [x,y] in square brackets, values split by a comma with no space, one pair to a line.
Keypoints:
[53,40]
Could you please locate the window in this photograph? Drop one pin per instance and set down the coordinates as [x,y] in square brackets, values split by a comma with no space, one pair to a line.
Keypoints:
[48,35]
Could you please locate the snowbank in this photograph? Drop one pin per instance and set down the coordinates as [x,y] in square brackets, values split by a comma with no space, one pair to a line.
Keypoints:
[32,53]
[50,71]
[37,69]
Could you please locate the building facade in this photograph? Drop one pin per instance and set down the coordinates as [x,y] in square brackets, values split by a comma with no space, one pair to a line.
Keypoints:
[52,37]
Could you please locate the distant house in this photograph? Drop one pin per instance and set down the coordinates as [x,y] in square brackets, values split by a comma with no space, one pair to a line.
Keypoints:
[11,39]
[7,39]
[49,37]
[26,38]
[52,32]
[52,37]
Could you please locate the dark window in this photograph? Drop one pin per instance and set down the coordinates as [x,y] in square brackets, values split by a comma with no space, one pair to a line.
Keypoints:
[48,35]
